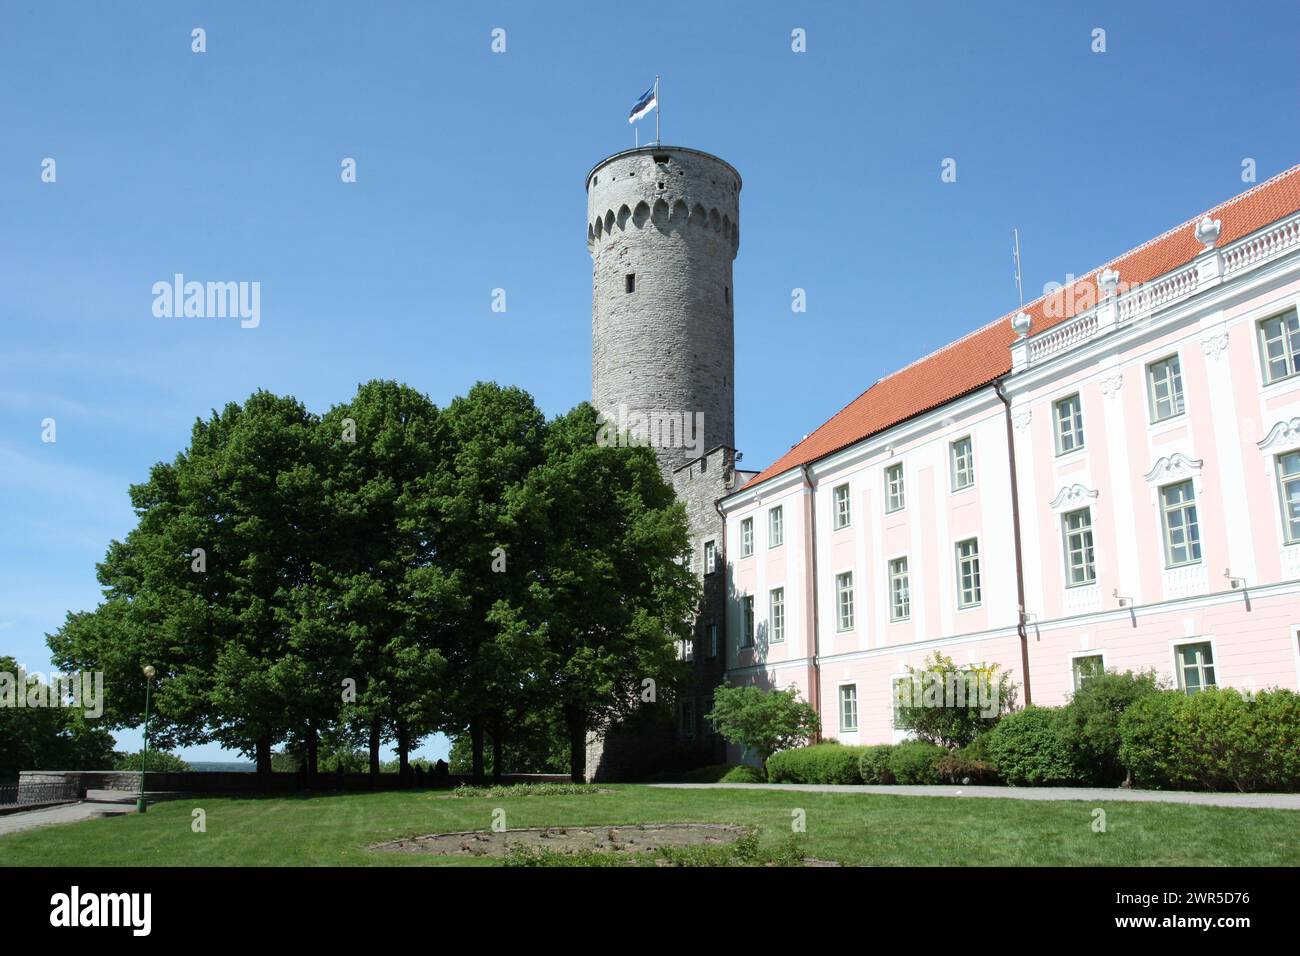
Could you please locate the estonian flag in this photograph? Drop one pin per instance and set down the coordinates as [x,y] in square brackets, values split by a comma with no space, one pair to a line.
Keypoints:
[645,104]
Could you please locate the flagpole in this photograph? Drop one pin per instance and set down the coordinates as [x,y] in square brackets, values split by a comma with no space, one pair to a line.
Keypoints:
[659,108]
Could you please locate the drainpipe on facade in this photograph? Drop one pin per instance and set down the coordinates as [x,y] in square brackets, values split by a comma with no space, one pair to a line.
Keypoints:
[1015,529]
[815,675]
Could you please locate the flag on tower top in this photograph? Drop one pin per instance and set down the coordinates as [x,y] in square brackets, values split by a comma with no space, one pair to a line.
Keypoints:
[648,101]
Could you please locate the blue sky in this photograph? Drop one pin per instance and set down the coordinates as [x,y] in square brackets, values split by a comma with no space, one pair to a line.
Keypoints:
[225,166]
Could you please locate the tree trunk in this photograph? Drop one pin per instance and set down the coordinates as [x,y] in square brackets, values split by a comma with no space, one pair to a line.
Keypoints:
[374,751]
[576,722]
[313,753]
[496,747]
[476,743]
[264,756]
[404,753]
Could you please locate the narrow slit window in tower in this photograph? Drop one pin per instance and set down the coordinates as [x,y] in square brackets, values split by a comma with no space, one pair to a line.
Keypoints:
[630,278]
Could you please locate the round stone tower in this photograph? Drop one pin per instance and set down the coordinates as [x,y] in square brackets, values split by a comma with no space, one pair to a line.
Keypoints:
[663,226]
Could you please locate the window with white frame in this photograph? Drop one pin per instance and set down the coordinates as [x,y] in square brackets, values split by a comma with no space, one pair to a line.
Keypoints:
[690,560]
[711,636]
[775,527]
[968,572]
[1068,417]
[844,601]
[895,493]
[710,557]
[963,463]
[688,649]
[900,591]
[901,694]
[1195,666]
[1085,667]
[848,708]
[747,621]
[1165,389]
[1076,529]
[1288,477]
[843,507]
[1178,517]
[1279,343]
[776,615]
[746,537]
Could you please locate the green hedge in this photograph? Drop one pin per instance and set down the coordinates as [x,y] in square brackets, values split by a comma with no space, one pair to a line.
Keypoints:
[1032,747]
[820,763]
[745,774]
[1216,739]
[873,765]
[914,762]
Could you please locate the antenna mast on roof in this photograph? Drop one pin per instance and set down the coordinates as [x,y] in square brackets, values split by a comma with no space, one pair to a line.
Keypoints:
[1015,238]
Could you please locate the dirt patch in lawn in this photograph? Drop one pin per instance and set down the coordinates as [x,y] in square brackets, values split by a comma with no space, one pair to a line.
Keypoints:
[618,839]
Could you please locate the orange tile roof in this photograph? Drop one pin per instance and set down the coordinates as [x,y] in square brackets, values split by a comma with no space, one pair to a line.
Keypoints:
[984,355]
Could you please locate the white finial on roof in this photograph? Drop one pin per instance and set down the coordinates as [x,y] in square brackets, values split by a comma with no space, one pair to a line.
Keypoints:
[1109,281]
[1020,322]
[1207,232]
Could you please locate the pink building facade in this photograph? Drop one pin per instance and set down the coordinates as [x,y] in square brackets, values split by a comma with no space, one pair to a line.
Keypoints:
[1108,479]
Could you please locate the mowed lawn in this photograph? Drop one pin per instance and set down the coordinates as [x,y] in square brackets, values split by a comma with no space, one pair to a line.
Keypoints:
[849,828]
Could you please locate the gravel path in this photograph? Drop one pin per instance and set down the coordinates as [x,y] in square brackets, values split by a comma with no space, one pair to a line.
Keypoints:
[1273,801]
[67,813]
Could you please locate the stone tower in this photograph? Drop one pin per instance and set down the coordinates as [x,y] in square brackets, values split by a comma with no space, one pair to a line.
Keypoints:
[663,226]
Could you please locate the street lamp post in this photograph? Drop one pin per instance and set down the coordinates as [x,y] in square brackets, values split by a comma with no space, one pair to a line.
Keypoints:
[144,754]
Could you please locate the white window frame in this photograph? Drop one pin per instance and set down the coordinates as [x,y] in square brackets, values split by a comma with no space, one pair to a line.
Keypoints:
[746,537]
[775,526]
[1074,682]
[977,576]
[841,699]
[955,464]
[895,491]
[711,636]
[1088,551]
[710,557]
[688,648]
[1288,537]
[1289,339]
[1177,397]
[1176,660]
[776,615]
[746,621]
[1076,433]
[841,507]
[841,579]
[891,577]
[1165,510]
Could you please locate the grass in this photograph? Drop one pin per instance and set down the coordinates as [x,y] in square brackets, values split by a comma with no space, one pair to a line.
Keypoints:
[852,828]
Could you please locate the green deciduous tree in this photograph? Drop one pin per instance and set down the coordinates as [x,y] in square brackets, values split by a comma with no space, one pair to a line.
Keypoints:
[763,721]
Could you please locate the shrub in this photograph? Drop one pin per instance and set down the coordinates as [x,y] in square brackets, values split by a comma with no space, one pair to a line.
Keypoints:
[821,763]
[159,761]
[913,762]
[1031,747]
[1094,713]
[1216,739]
[959,767]
[763,721]
[745,774]
[873,765]
[950,705]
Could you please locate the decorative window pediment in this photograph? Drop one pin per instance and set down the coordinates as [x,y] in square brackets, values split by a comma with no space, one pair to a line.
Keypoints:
[1073,496]
[1175,467]
[1283,436]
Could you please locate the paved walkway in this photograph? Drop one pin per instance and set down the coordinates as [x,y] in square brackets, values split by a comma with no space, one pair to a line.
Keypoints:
[1274,801]
[66,813]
